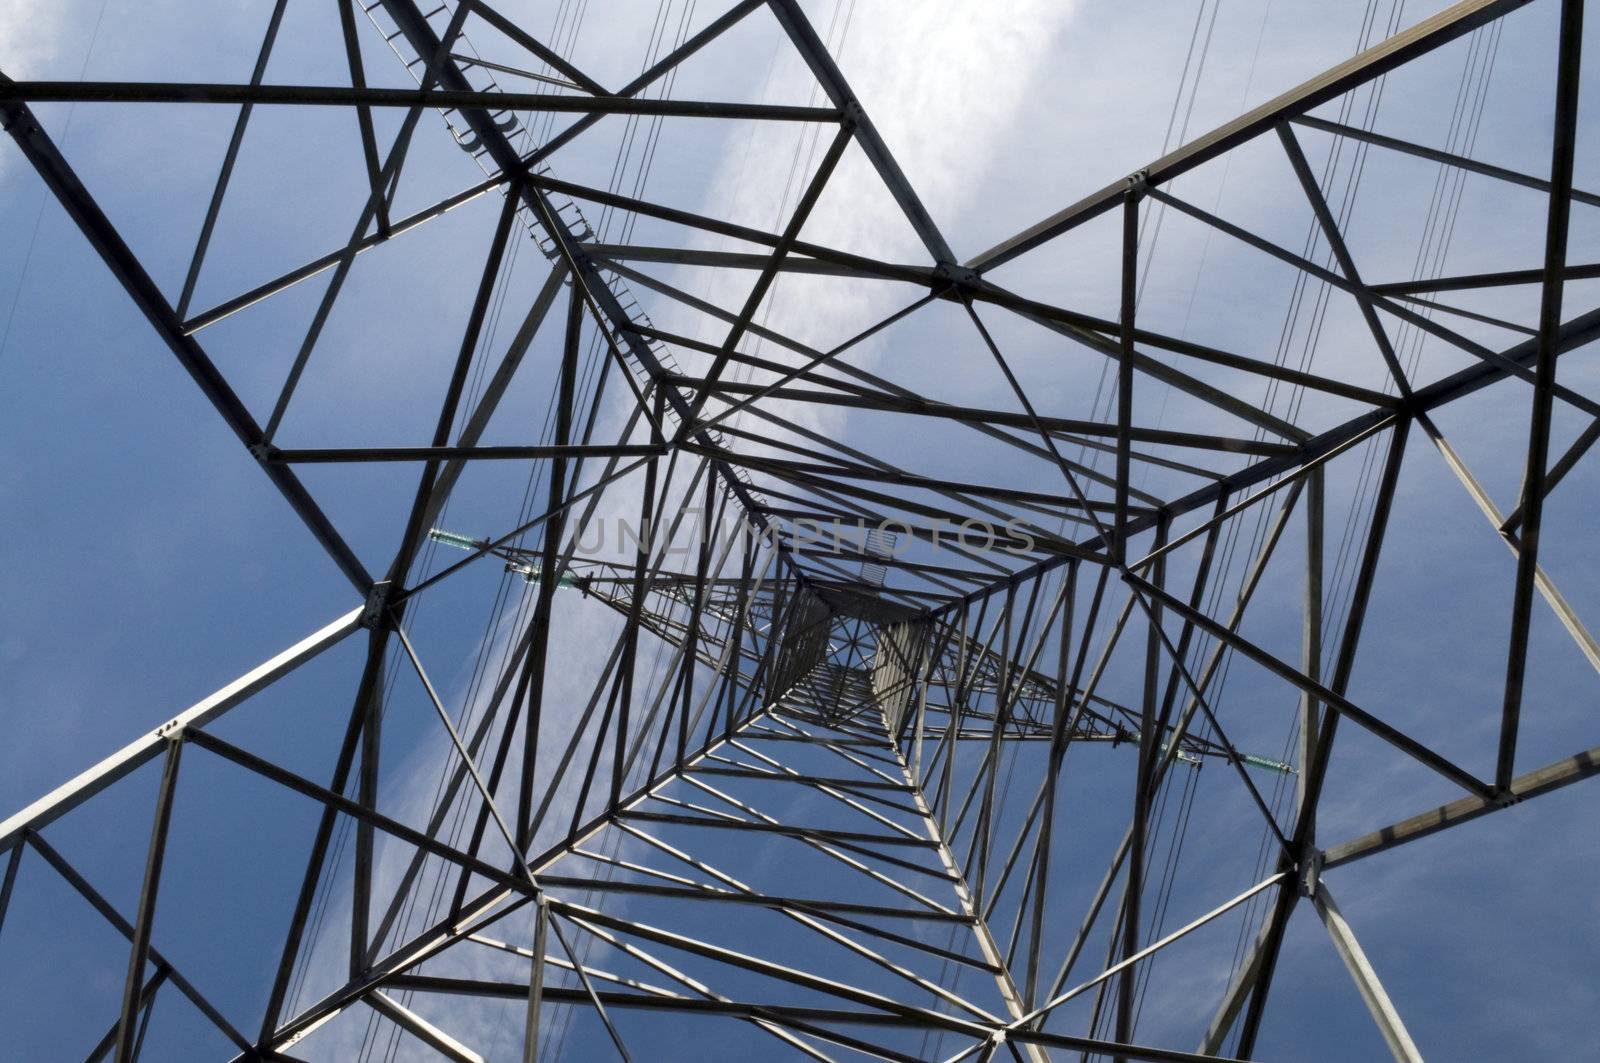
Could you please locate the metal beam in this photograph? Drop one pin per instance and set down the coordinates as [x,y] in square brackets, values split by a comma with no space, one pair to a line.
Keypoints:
[1366,979]
[64,184]
[1568,67]
[1440,29]
[12,92]
[141,751]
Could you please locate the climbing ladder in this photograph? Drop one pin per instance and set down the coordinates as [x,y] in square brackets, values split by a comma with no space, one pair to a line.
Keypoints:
[480,74]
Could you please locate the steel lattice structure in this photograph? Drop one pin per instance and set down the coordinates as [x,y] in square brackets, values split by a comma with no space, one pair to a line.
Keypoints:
[885,721]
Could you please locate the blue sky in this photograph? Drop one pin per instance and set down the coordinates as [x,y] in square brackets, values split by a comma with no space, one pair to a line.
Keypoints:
[150,561]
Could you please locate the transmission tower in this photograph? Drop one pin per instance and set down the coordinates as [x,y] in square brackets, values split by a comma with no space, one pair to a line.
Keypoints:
[829,751]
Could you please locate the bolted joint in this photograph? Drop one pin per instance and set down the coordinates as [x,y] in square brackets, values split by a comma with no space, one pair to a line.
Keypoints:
[264,452]
[11,113]
[852,114]
[1309,874]
[377,602]
[954,273]
[1139,185]
[1504,798]
[174,730]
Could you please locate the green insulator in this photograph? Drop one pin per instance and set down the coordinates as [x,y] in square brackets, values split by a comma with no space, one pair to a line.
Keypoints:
[530,573]
[449,538]
[1133,738]
[1270,765]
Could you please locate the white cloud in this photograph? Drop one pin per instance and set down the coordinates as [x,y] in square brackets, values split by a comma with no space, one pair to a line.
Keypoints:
[30,37]
[32,34]
[943,83]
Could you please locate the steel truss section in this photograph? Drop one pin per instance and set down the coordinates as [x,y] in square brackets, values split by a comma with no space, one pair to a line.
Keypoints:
[816,796]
